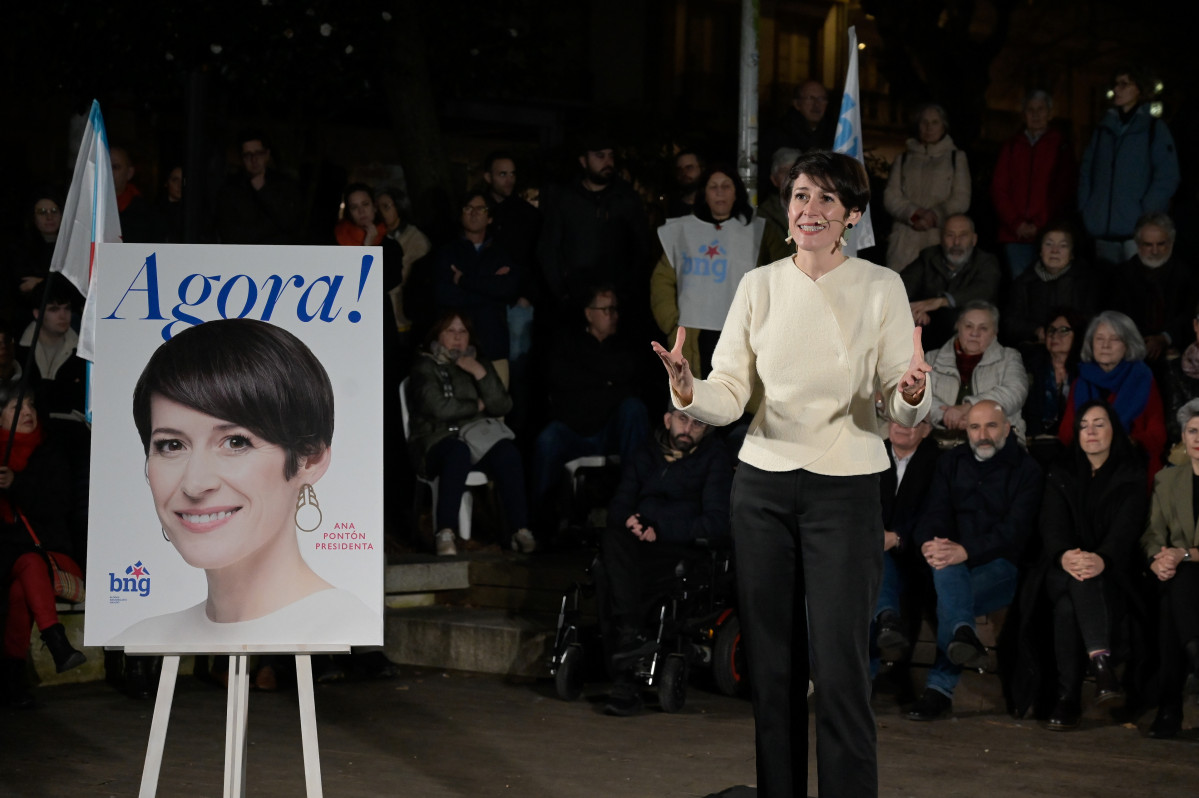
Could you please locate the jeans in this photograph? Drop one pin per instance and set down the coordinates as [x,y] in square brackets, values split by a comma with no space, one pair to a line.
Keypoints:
[449,460]
[963,593]
[558,444]
[1019,257]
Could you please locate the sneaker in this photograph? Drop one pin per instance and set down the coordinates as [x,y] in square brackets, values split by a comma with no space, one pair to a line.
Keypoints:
[524,541]
[892,643]
[966,650]
[445,543]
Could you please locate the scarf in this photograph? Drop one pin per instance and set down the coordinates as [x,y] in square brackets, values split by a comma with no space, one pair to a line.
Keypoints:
[1126,388]
[965,363]
[447,356]
[1190,361]
[1048,276]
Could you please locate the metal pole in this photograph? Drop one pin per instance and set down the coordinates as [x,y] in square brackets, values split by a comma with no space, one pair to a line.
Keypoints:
[747,121]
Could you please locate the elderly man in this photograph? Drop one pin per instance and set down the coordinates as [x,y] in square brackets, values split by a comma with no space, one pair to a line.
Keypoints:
[673,492]
[1155,289]
[904,487]
[806,125]
[944,278]
[981,509]
[770,204]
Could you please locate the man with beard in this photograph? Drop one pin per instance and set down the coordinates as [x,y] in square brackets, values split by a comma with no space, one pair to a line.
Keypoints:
[1155,289]
[981,508]
[673,492]
[688,166]
[595,232]
[945,277]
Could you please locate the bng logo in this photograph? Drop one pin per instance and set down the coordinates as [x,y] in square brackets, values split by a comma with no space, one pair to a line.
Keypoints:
[136,580]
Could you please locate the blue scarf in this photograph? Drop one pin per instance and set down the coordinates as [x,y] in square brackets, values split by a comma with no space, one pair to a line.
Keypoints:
[1126,388]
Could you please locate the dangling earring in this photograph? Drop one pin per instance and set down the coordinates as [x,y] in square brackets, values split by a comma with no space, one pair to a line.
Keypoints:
[788,239]
[307,499]
[164,534]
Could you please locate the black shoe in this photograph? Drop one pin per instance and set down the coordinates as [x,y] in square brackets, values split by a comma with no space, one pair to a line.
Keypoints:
[1107,687]
[139,677]
[932,705]
[966,650]
[1065,715]
[65,655]
[893,645]
[624,700]
[1167,724]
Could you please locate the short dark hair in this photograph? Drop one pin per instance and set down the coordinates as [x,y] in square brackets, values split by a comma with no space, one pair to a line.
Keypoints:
[247,372]
[689,151]
[59,290]
[1060,226]
[832,171]
[253,135]
[8,392]
[1141,76]
[445,320]
[741,208]
[499,155]
[353,188]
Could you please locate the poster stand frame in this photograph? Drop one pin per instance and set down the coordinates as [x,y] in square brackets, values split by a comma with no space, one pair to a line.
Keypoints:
[236,714]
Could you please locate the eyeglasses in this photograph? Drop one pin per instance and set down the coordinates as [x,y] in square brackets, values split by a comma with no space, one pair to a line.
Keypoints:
[253,154]
[48,211]
[606,309]
[1058,330]
[474,209]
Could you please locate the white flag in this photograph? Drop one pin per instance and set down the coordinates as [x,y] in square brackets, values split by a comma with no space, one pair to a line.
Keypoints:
[89,217]
[849,142]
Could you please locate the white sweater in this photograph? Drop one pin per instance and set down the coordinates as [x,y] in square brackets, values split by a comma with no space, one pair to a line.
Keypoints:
[819,348]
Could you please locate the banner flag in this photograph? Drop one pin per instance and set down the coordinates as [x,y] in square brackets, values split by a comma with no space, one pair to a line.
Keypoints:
[849,142]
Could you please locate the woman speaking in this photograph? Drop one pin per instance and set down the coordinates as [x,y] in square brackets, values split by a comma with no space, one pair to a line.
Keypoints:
[820,332]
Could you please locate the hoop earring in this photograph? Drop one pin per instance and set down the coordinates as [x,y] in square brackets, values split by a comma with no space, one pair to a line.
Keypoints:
[307,499]
[164,534]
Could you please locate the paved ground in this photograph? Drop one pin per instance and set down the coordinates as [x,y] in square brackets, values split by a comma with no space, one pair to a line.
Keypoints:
[434,734]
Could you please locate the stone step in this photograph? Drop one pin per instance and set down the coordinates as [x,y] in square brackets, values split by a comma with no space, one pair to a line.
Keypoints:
[483,640]
[426,574]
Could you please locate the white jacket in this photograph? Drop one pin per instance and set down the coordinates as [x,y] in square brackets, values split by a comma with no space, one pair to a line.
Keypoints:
[1000,376]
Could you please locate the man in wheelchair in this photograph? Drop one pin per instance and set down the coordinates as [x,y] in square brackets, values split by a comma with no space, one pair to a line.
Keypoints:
[672,495]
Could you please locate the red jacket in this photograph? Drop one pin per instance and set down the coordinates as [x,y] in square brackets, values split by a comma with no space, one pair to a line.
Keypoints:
[1033,182]
[1148,430]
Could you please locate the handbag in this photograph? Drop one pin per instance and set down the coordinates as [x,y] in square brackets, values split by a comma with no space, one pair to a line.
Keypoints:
[67,586]
[483,433]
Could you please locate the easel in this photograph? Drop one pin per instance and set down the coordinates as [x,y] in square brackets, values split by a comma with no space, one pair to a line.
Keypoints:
[236,713]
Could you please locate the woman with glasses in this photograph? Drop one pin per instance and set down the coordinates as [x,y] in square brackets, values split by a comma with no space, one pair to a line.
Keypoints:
[472,275]
[1052,369]
[1057,279]
[33,265]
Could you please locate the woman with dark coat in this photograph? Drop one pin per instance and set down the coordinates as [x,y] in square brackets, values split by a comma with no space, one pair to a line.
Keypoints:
[1092,516]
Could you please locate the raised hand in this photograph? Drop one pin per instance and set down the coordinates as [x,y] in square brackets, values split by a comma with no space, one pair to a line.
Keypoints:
[913,382]
[677,367]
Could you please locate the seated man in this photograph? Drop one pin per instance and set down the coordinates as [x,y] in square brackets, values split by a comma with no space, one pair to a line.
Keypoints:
[981,508]
[592,386]
[673,492]
[944,278]
[904,487]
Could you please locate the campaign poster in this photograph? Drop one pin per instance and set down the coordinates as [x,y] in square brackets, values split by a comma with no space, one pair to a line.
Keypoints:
[236,480]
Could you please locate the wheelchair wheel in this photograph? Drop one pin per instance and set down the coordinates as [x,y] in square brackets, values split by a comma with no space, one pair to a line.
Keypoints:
[569,678]
[728,658]
[672,683]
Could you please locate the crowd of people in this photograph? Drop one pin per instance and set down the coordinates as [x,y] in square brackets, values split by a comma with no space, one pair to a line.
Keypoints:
[1049,475]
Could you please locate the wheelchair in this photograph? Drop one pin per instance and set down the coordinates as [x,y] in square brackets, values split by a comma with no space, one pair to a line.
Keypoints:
[693,625]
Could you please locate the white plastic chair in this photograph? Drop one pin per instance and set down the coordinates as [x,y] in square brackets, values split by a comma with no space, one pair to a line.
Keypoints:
[474,479]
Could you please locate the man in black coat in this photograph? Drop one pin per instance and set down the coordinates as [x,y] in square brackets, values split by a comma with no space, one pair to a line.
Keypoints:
[904,487]
[673,492]
[981,508]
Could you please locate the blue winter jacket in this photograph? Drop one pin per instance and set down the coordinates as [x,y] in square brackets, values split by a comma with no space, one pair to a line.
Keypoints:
[1129,169]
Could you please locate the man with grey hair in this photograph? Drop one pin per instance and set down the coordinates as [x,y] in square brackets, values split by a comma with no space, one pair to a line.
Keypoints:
[770,204]
[945,277]
[1155,289]
[981,508]
[1034,182]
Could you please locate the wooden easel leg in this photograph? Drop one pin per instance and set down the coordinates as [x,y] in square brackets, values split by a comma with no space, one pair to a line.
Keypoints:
[312,754]
[235,726]
[158,727]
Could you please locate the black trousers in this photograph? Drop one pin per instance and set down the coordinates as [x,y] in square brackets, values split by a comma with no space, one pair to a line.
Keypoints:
[1079,610]
[1179,608]
[635,571]
[809,552]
